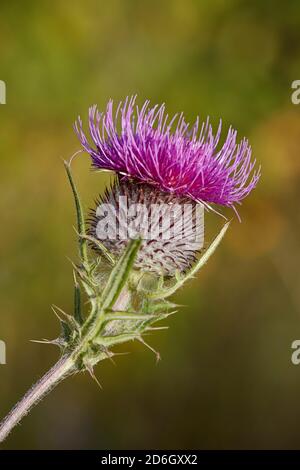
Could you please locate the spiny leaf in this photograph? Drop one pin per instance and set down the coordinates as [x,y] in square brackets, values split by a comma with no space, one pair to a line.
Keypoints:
[56,342]
[69,319]
[119,275]
[152,307]
[101,247]
[89,287]
[80,216]
[158,317]
[117,339]
[166,292]
[128,316]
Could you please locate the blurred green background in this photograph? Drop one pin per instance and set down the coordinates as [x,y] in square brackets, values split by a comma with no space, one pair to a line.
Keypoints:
[226,379]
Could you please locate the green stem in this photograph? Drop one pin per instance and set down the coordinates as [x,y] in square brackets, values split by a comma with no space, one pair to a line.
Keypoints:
[91,340]
[65,367]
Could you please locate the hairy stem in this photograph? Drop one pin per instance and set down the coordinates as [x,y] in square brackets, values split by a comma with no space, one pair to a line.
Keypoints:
[92,337]
[63,368]
[115,296]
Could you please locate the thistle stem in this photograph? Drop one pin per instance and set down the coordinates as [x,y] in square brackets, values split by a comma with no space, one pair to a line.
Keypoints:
[63,368]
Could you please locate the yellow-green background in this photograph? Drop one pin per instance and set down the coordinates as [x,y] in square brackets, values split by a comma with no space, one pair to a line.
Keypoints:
[226,378]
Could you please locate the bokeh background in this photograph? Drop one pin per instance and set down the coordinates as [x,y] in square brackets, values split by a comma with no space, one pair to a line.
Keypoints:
[226,379]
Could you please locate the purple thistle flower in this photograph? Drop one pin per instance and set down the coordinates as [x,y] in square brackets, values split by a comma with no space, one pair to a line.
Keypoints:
[143,143]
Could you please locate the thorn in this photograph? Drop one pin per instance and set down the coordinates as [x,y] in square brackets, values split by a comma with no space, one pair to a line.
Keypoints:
[82,273]
[42,341]
[70,260]
[153,328]
[55,342]
[75,267]
[69,320]
[61,311]
[121,353]
[109,355]
[68,317]
[55,313]
[91,372]
[75,278]
[169,314]
[78,269]
[158,358]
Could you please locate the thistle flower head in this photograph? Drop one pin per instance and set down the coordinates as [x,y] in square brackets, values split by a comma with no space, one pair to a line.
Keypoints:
[145,144]
[166,164]
[171,226]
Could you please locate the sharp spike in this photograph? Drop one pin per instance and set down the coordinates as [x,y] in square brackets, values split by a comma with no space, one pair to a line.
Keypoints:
[90,370]
[68,317]
[121,353]
[158,358]
[154,328]
[55,313]
[61,311]
[109,355]
[55,342]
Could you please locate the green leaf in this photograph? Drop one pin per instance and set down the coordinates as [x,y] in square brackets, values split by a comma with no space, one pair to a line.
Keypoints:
[80,217]
[180,280]
[109,341]
[160,306]
[115,283]
[128,316]
[101,247]
[119,275]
